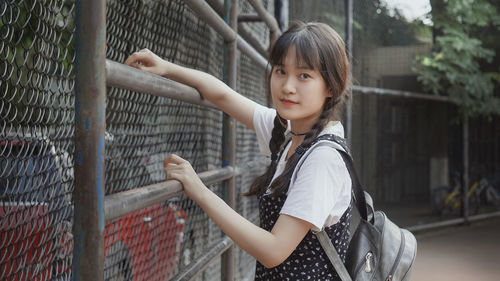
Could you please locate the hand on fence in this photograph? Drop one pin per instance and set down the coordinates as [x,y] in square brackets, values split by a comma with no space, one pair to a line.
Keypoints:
[148,61]
[176,168]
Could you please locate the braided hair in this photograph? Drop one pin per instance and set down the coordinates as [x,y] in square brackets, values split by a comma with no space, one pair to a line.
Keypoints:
[321,48]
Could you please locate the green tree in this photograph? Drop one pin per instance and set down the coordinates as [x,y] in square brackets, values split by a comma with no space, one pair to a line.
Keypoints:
[454,67]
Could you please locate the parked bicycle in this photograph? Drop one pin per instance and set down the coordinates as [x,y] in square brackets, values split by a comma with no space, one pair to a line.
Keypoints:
[447,200]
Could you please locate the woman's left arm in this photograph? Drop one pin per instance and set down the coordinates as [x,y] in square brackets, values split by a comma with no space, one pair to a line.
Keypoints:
[269,248]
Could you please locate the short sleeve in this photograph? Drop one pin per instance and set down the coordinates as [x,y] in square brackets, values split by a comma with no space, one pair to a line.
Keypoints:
[321,192]
[263,123]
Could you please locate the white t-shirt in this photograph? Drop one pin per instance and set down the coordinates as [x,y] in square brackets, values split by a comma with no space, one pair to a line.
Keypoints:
[321,192]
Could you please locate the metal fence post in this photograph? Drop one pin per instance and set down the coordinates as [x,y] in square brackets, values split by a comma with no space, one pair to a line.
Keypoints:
[465,178]
[90,90]
[229,132]
[348,42]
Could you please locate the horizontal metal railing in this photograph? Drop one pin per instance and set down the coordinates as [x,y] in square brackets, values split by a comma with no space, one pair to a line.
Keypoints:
[204,260]
[398,93]
[125,77]
[452,222]
[122,203]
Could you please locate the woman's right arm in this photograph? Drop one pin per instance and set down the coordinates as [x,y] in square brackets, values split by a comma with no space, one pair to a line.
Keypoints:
[211,88]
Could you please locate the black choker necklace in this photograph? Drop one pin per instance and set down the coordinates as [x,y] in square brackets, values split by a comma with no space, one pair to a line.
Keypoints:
[298,135]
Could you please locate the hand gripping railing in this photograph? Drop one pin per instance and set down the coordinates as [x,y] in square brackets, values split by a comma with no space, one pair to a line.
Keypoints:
[122,203]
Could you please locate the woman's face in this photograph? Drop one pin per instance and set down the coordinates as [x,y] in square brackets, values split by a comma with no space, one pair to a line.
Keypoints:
[298,92]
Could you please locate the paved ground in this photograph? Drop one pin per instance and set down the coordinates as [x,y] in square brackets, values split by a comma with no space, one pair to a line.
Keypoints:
[464,253]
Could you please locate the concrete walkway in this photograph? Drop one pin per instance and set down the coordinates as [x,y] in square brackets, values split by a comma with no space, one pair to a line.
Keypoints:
[462,253]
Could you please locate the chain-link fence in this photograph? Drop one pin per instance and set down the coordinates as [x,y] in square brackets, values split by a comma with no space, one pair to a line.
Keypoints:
[37,108]
[405,148]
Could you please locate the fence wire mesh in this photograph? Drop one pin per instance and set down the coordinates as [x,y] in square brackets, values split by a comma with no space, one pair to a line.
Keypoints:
[36,109]
[36,146]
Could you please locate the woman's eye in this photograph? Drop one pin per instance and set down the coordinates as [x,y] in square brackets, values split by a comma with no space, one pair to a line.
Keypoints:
[280,71]
[304,76]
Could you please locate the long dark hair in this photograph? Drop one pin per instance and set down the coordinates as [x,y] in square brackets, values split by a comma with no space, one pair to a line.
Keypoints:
[321,48]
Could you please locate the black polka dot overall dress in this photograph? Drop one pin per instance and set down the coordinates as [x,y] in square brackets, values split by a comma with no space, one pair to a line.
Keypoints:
[308,261]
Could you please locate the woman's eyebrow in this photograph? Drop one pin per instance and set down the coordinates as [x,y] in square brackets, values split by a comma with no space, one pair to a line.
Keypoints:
[306,67]
[301,66]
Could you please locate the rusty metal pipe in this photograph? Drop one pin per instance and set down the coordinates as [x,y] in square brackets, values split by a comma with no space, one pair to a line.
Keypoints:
[243,30]
[267,18]
[252,53]
[195,268]
[207,13]
[90,106]
[122,76]
[122,203]
[248,36]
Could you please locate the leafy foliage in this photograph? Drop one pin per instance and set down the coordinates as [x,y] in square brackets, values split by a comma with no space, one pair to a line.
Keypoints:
[376,24]
[454,68]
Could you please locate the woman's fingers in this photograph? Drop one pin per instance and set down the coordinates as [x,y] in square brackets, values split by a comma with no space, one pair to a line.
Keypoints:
[173,159]
[174,167]
[136,58]
[146,60]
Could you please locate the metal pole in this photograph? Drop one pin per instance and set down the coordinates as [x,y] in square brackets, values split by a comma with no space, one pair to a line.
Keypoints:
[268,19]
[122,76]
[399,93]
[281,13]
[348,42]
[229,132]
[465,179]
[207,14]
[196,267]
[90,91]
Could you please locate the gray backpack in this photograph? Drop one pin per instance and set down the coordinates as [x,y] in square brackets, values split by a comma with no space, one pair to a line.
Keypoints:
[379,250]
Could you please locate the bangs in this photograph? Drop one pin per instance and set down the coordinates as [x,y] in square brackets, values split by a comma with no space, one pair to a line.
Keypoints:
[306,53]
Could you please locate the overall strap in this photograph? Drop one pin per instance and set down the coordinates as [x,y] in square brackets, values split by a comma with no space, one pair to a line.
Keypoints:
[332,255]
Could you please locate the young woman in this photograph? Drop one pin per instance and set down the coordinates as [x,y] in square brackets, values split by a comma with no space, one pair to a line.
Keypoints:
[307,83]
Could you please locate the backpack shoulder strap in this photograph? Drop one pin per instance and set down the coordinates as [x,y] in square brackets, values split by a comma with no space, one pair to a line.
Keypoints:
[328,140]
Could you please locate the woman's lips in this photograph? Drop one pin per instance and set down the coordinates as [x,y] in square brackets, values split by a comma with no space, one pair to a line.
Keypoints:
[288,102]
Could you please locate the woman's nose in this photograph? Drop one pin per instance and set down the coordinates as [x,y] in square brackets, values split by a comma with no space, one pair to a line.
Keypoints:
[289,85]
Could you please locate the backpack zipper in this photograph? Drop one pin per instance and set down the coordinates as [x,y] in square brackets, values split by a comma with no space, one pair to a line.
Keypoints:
[398,257]
[368,256]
